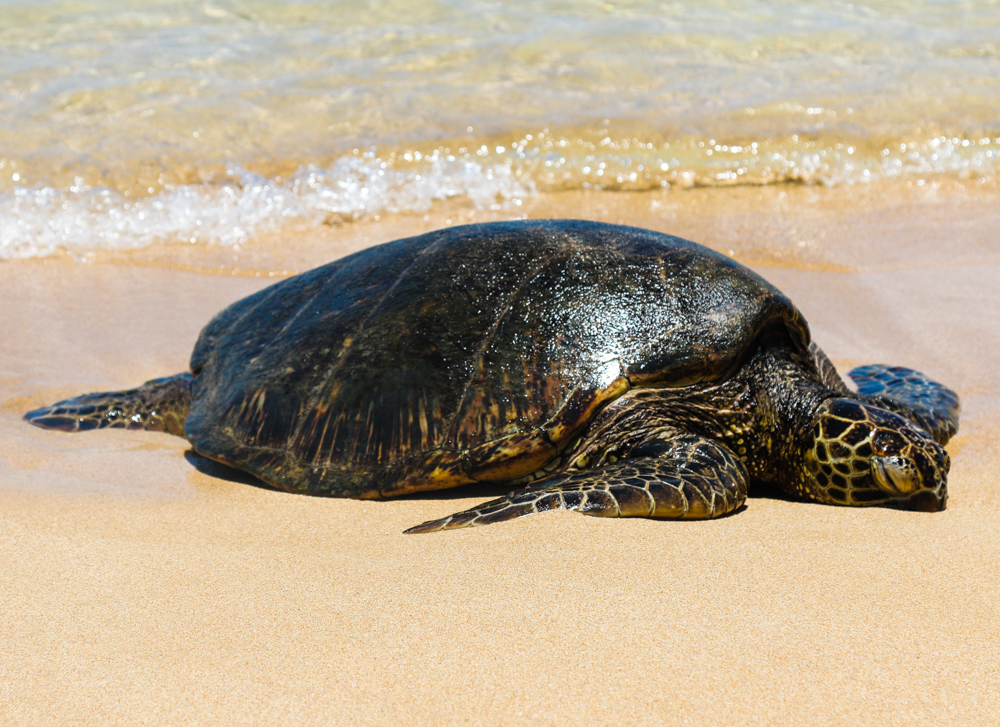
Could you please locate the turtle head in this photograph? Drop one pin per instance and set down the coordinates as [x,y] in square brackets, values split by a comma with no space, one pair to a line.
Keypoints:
[862,455]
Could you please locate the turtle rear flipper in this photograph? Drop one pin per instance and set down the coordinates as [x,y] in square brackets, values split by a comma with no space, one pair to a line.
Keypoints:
[160,405]
[689,478]
[909,393]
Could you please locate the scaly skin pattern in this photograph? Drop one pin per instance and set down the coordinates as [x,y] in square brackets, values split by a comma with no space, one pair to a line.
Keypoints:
[687,478]
[854,442]
[775,419]
[912,395]
[159,405]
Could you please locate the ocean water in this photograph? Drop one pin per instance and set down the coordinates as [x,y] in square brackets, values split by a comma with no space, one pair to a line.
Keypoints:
[126,123]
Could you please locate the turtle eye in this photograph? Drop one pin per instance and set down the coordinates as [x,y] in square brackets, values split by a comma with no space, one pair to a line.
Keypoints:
[895,475]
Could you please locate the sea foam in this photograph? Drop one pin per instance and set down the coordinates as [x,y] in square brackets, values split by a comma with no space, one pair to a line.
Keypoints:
[35,222]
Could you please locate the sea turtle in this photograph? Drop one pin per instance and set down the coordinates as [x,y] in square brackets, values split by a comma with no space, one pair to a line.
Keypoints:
[606,369]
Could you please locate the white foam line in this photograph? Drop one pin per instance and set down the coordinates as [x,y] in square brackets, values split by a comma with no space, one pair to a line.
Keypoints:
[40,221]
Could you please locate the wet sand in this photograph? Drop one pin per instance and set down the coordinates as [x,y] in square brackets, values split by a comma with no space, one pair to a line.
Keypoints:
[142,584]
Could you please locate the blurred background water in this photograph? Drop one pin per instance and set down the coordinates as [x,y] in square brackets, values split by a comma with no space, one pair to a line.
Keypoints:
[124,123]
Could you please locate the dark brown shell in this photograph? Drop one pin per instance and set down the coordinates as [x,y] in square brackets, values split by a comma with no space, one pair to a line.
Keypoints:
[469,354]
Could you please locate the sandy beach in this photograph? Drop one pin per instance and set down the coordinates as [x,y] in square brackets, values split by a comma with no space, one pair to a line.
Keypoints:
[142,584]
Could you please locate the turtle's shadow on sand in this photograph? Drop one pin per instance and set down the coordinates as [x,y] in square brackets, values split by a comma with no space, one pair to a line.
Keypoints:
[758,490]
[223,472]
[769,491]
[220,471]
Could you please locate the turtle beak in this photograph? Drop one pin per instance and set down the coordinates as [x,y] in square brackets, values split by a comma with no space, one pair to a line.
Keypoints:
[928,500]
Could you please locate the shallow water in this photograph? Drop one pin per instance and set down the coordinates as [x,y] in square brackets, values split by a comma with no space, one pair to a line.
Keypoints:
[128,123]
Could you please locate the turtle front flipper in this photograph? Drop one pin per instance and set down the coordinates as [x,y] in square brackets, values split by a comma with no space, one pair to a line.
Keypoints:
[910,394]
[685,478]
[160,405]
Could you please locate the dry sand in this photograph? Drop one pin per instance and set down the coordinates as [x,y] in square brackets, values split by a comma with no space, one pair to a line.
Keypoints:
[141,584]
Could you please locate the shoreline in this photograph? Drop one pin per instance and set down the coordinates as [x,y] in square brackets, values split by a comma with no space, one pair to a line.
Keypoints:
[140,586]
[786,225]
